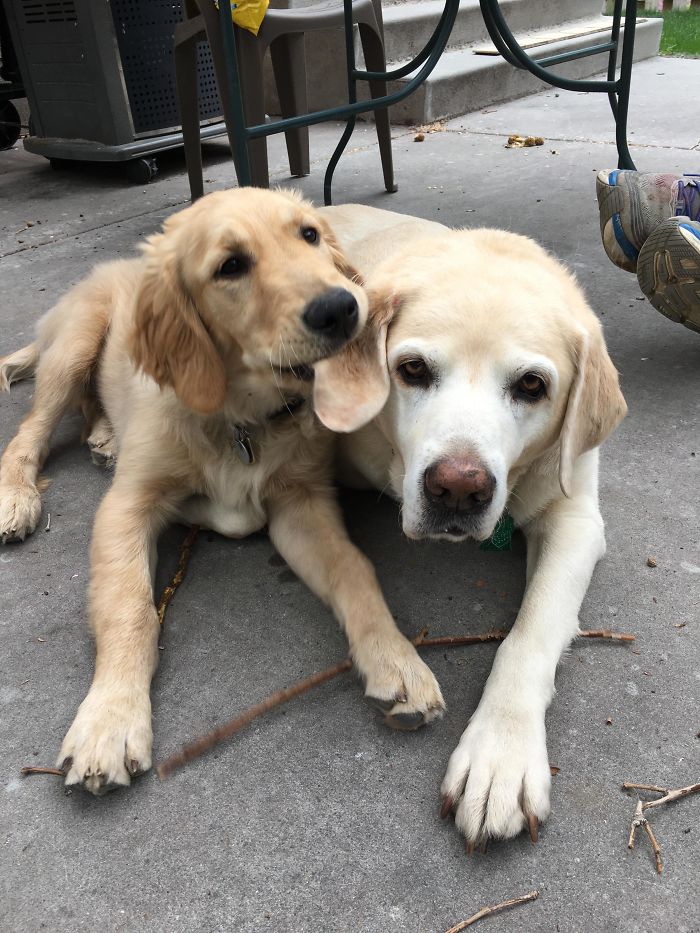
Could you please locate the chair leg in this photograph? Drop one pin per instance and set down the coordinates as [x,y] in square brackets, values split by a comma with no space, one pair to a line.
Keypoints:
[250,63]
[185,53]
[373,49]
[289,65]
[257,149]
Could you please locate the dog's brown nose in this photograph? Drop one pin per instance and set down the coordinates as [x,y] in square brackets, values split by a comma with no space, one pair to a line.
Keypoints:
[461,484]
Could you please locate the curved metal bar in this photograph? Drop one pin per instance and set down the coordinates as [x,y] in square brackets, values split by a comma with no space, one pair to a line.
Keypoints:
[364,106]
[411,66]
[493,17]
[352,98]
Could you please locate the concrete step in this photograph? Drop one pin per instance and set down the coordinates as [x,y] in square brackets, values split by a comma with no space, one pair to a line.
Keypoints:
[408,26]
[463,81]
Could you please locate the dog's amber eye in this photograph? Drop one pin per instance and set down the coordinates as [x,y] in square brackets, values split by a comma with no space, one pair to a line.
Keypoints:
[234,266]
[415,372]
[530,387]
[310,234]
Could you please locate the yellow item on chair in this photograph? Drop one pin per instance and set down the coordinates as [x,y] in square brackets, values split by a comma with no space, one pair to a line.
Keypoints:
[248,14]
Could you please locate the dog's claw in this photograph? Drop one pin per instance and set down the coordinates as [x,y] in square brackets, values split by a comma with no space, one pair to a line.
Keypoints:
[484,846]
[405,722]
[533,826]
[470,846]
[446,807]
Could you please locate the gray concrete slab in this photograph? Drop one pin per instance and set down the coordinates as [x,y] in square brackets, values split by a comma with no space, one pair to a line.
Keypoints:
[318,818]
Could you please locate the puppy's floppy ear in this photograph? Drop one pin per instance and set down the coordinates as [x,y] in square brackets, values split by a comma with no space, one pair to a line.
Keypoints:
[595,406]
[169,341]
[352,387]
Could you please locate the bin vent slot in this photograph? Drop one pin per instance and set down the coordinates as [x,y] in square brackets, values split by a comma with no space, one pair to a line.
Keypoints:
[144,33]
[48,11]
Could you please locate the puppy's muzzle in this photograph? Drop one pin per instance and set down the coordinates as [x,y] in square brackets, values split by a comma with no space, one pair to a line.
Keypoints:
[333,316]
[459,485]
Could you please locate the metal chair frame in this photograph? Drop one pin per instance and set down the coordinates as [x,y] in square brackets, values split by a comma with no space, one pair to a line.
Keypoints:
[617,89]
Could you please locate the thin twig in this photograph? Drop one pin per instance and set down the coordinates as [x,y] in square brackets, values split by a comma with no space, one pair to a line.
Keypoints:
[179,576]
[671,795]
[48,523]
[606,633]
[39,770]
[640,820]
[197,748]
[628,785]
[486,911]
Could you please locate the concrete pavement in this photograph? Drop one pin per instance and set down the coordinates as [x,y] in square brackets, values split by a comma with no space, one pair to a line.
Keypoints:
[317,818]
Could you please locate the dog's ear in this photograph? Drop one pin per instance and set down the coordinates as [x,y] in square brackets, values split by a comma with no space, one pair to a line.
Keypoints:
[352,387]
[340,260]
[595,405]
[169,341]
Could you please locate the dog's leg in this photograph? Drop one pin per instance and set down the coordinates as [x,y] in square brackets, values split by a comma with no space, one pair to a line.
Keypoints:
[309,533]
[110,739]
[57,385]
[18,365]
[498,777]
[102,443]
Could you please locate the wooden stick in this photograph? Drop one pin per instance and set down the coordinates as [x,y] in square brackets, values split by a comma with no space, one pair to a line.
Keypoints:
[39,770]
[640,820]
[197,748]
[655,846]
[606,633]
[486,911]
[179,575]
[671,795]
[628,785]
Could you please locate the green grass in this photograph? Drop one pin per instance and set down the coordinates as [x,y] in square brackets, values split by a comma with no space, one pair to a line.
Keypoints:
[681,35]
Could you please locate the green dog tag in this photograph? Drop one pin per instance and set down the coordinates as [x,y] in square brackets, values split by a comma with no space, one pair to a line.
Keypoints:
[502,537]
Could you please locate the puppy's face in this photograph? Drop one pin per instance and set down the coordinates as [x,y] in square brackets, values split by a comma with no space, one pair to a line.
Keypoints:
[491,359]
[248,279]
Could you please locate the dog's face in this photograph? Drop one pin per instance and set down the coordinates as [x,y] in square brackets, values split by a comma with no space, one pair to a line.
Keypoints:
[489,360]
[248,279]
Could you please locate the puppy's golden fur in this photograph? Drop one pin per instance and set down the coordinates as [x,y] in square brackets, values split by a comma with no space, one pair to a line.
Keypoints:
[167,355]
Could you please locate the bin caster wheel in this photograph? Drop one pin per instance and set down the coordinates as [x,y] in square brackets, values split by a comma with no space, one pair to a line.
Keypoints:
[10,125]
[141,171]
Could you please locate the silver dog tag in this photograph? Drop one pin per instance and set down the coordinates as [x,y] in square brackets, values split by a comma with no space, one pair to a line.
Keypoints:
[242,445]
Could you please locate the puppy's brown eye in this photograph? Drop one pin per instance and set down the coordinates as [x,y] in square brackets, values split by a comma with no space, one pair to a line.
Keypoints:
[530,387]
[234,266]
[415,373]
[310,234]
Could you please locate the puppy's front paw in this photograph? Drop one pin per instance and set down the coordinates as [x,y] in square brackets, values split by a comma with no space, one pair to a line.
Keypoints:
[498,777]
[20,508]
[399,682]
[109,742]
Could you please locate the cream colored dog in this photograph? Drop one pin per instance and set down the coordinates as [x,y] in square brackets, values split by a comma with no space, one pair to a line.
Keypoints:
[192,364]
[492,389]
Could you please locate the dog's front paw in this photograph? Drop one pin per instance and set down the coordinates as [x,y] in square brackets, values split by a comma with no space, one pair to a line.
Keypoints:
[399,682]
[20,508]
[109,742]
[498,777]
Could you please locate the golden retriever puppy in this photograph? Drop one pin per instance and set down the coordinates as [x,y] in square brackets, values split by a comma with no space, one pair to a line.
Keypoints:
[492,388]
[193,363]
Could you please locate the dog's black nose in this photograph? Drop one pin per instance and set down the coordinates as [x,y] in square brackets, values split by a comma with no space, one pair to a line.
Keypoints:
[333,315]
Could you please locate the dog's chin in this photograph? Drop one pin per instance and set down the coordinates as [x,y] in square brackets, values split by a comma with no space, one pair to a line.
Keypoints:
[455,528]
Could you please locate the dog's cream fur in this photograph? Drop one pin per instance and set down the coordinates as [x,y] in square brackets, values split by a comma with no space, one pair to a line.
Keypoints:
[165,356]
[482,308]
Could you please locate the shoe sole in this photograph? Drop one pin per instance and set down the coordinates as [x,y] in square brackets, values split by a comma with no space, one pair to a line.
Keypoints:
[668,270]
